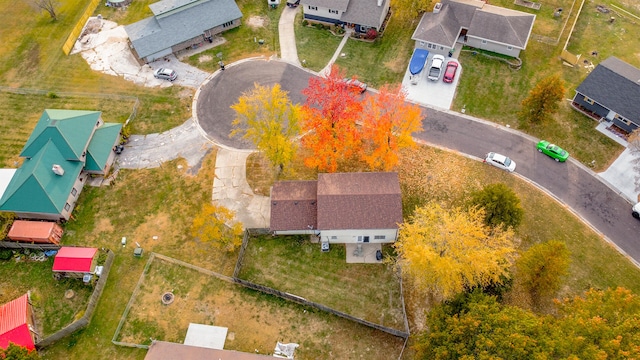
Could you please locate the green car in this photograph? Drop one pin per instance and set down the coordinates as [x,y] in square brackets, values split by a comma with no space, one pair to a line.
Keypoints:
[554,151]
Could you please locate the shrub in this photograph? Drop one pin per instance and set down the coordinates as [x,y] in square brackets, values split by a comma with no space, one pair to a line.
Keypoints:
[5,254]
[371,34]
[305,23]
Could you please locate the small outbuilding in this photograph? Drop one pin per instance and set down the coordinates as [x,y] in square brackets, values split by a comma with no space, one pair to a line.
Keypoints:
[75,261]
[17,323]
[42,232]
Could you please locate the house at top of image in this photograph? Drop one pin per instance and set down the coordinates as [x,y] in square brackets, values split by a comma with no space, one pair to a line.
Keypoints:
[361,15]
[17,323]
[65,147]
[180,24]
[611,92]
[476,24]
[339,208]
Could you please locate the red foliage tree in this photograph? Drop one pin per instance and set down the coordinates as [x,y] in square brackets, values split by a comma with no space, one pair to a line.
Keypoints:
[329,121]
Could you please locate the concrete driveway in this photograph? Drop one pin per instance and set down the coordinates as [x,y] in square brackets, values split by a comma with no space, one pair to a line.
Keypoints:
[436,94]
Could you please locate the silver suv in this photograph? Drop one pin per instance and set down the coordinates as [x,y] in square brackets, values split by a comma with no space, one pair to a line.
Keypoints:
[166,74]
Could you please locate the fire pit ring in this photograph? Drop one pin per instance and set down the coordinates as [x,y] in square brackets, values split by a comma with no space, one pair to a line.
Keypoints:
[167,298]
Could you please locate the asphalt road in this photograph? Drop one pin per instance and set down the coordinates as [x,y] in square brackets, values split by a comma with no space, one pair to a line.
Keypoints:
[222,91]
[570,182]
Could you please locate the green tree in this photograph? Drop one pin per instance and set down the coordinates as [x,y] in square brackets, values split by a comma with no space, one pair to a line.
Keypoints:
[543,100]
[501,205]
[602,324]
[266,117]
[16,352]
[446,253]
[215,224]
[542,267]
[476,326]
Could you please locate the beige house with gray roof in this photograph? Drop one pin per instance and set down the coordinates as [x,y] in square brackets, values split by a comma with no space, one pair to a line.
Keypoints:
[476,24]
[360,15]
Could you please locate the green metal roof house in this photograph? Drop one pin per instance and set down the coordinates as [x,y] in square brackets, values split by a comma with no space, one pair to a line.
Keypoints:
[64,147]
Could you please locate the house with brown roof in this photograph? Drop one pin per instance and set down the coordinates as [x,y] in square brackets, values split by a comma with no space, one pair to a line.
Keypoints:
[339,208]
[476,24]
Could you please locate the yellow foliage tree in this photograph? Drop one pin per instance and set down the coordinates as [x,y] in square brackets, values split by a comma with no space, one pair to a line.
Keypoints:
[210,225]
[266,117]
[446,253]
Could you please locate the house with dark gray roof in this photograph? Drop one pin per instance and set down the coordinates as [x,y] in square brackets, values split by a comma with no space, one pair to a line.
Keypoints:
[476,24]
[339,208]
[360,15]
[180,24]
[611,92]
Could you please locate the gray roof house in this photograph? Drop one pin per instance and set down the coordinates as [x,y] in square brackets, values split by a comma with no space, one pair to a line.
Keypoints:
[180,24]
[476,24]
[611,92]
[361,15]
[339,207]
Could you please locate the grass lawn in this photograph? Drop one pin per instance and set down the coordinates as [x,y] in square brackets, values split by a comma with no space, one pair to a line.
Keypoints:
[52,310]
[255,321]
[315,47]
[325,278]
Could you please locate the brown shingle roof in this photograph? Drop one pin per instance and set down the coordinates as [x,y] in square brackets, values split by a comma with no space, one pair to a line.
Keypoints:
[162,350]
[359,201]
[293,205]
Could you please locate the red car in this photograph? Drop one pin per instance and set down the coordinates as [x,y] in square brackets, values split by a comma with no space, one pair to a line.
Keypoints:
[450,72]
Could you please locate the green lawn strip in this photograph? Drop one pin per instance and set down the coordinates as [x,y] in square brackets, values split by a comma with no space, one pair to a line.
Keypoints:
[257,320]
[382,61]
[295,265]
[244,41]
[315,47]
[52,310]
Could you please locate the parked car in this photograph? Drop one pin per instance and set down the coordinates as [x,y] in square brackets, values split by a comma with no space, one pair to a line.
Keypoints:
[635,211]
[552,150]
[450,72]
[355,85]
[436,67]
[165,73]
[293,3]
[500,161]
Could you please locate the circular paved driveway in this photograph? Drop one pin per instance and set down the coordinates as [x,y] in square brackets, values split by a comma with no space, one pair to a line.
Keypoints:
[213,109]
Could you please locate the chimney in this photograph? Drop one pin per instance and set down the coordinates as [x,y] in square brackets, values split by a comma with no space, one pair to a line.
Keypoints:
[58,170]
[436,9]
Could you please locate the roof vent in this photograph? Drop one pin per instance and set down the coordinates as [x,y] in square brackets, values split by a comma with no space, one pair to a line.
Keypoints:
[58,170]
[436,9]
[380,2]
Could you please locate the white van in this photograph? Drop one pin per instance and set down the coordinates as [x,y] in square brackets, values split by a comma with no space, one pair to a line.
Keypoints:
[635,211]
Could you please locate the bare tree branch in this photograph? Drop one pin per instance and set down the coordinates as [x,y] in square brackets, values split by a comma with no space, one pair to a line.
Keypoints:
[47,5]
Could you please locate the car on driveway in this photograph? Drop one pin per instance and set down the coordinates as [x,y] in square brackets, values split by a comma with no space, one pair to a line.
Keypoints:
[500,161]
[165,73]
[436,67]
[450,72]
[293,3]
[635,211]
[552,150]
[355,84]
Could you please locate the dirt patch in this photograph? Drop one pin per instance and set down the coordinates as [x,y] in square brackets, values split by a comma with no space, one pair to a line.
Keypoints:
[104,225]
[205,58]
[255,22]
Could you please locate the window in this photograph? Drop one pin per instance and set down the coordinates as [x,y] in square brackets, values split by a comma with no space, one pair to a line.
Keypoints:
[333,11]
[67,206]
[379,237]
[441,47]
[74,192]
[588,100]
[509,47]
[484,41]
[313,7]
[366,239]
[623,120]
[334,238]
[227,24]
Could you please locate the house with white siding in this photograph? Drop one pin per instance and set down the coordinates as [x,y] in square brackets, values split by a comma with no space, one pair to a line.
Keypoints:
[360,15]
[339,208]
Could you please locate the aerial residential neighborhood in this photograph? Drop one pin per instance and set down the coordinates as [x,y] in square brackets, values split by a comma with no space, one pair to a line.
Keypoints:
[319,179]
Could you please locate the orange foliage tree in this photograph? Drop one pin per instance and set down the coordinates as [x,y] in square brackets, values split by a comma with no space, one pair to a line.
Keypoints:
[329,121]
[388,122]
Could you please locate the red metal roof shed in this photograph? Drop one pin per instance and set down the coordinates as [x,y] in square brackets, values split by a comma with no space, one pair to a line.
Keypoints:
[74,259]
[14,323]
